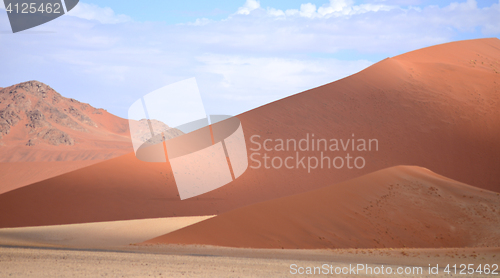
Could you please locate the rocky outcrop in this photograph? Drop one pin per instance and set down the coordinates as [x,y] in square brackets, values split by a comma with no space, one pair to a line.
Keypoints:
[8,117]
[141,131]
[4,129]
[57,116]
[21,102]
[36,88]
[80,116]
[56,137]
[45,113]
[36,120]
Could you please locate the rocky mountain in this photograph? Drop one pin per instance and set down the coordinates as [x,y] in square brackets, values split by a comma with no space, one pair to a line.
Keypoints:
[40,105]
[38,124]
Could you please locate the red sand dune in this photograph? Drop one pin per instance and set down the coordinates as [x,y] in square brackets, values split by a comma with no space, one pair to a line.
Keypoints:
[436,107]
[14,175]
[119,189]
[396,207]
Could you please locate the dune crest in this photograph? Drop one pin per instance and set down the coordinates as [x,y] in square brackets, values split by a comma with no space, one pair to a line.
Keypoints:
[436,107]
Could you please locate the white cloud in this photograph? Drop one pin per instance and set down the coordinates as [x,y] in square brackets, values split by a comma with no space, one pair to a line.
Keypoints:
[336,6]
[292,12]
[248,7]
[399,2]
[307,10]
[198,22]
[240,62]
[465,6]
[347,7]
[93,12]
[275,12]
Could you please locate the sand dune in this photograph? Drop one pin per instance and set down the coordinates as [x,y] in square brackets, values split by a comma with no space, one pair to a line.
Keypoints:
[95,235]
[397,207]
[122,188]
[106,191]
[436,107]
[18,174]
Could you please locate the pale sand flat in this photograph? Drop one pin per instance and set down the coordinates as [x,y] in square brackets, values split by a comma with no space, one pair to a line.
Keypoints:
[95,235]
[206,261]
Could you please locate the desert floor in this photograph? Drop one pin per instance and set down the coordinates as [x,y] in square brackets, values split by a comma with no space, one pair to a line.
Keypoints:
[108,249]
[207,261]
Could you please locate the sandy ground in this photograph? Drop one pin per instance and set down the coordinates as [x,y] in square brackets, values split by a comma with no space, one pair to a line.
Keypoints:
[198,261]
[105,249]
[95,235]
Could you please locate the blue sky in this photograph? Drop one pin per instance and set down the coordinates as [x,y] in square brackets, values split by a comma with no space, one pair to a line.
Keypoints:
[243,53]
[175,11]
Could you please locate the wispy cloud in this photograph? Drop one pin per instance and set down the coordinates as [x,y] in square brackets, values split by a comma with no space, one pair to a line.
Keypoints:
[256,55]
[248,7]
[334,8]
[93,12]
